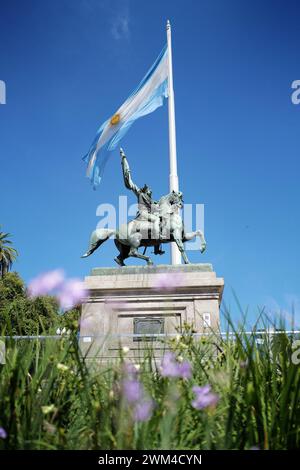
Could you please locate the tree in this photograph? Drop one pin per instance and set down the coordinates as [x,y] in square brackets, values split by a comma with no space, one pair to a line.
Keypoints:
[8,254]
[22,315]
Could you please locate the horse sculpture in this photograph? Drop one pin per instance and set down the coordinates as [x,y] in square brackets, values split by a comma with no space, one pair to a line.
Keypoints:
[137,233]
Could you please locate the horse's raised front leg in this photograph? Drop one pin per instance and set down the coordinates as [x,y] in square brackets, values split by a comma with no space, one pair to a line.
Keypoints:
[134,252]
[203,241]
[180,246]
[135,242]
[190,235]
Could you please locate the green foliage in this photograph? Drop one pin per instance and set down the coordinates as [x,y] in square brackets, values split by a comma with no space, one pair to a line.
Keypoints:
[11,286]
[52,400]
[8,254]
[20,315]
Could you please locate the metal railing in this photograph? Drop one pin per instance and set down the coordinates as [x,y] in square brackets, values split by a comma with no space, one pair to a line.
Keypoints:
[258,335]
[222,334]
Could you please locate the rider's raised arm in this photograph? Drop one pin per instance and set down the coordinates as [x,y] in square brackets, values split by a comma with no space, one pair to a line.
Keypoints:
[126,174]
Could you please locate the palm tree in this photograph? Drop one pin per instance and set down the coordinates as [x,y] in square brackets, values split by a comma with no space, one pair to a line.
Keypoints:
[8,254]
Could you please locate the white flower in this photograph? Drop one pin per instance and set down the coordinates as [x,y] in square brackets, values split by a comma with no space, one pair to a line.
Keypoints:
[125,349]
[48,409]
[62,367]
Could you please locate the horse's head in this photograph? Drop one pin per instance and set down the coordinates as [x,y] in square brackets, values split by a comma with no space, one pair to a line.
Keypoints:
[176,198]
[173,199]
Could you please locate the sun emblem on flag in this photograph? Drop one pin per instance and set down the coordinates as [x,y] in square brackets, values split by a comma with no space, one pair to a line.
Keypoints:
[115,119]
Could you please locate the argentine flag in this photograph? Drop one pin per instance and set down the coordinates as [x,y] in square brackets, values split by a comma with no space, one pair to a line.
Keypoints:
[147,97]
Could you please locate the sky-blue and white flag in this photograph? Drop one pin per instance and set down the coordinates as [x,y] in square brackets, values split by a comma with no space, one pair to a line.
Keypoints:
[147,97]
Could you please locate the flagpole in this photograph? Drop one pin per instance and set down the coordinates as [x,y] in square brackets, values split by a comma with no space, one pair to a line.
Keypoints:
[173,182]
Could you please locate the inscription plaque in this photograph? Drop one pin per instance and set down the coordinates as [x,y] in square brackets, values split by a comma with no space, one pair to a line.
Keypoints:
[147,326]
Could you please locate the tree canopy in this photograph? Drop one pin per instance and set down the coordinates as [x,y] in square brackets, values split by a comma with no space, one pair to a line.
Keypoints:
[8,253]
[21,315]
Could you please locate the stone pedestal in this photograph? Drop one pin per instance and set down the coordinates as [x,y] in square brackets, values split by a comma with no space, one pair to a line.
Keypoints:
[137,306]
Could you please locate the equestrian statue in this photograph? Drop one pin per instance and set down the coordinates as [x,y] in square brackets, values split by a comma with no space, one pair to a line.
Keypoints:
[156,223]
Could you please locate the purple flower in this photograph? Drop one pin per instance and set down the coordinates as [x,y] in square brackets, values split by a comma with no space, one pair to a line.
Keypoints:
[170,367]
[86,323]
[185,370]
[3,433]
[167,281]
[143,410]
[46,283]
[130,370]
[71,293]
[204,397]
[68,292]
[133,390]
[139,403]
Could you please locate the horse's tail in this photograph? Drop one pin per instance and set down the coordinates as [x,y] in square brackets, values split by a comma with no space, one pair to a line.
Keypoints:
[98,237]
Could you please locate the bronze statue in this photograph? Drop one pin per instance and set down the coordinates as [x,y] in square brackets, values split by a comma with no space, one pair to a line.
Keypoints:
[155,223]
[148,209]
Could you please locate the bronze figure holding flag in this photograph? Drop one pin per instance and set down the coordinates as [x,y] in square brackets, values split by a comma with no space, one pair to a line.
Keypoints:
[148,209]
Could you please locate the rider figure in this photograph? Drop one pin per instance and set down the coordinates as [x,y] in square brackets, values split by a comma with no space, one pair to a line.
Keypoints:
[148,209]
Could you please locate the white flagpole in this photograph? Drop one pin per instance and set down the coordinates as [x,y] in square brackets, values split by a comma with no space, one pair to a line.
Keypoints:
[174,186]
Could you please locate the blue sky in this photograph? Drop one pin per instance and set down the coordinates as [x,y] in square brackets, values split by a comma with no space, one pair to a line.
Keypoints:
[69,64]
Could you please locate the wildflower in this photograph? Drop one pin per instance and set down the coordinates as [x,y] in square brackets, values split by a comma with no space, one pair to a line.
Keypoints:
[68,292]
[62,332]
[171,368]
[204,397]
[46,283]
[140,405]
[62,367]
[71,293]
[167,281]
[3,433]
[185,370]
[129,369]
[143,410]
[133,390]
[125,350]
[86,323]
[48,409]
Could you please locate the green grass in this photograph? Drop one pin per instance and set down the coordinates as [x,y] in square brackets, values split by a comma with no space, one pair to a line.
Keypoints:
[44,405]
